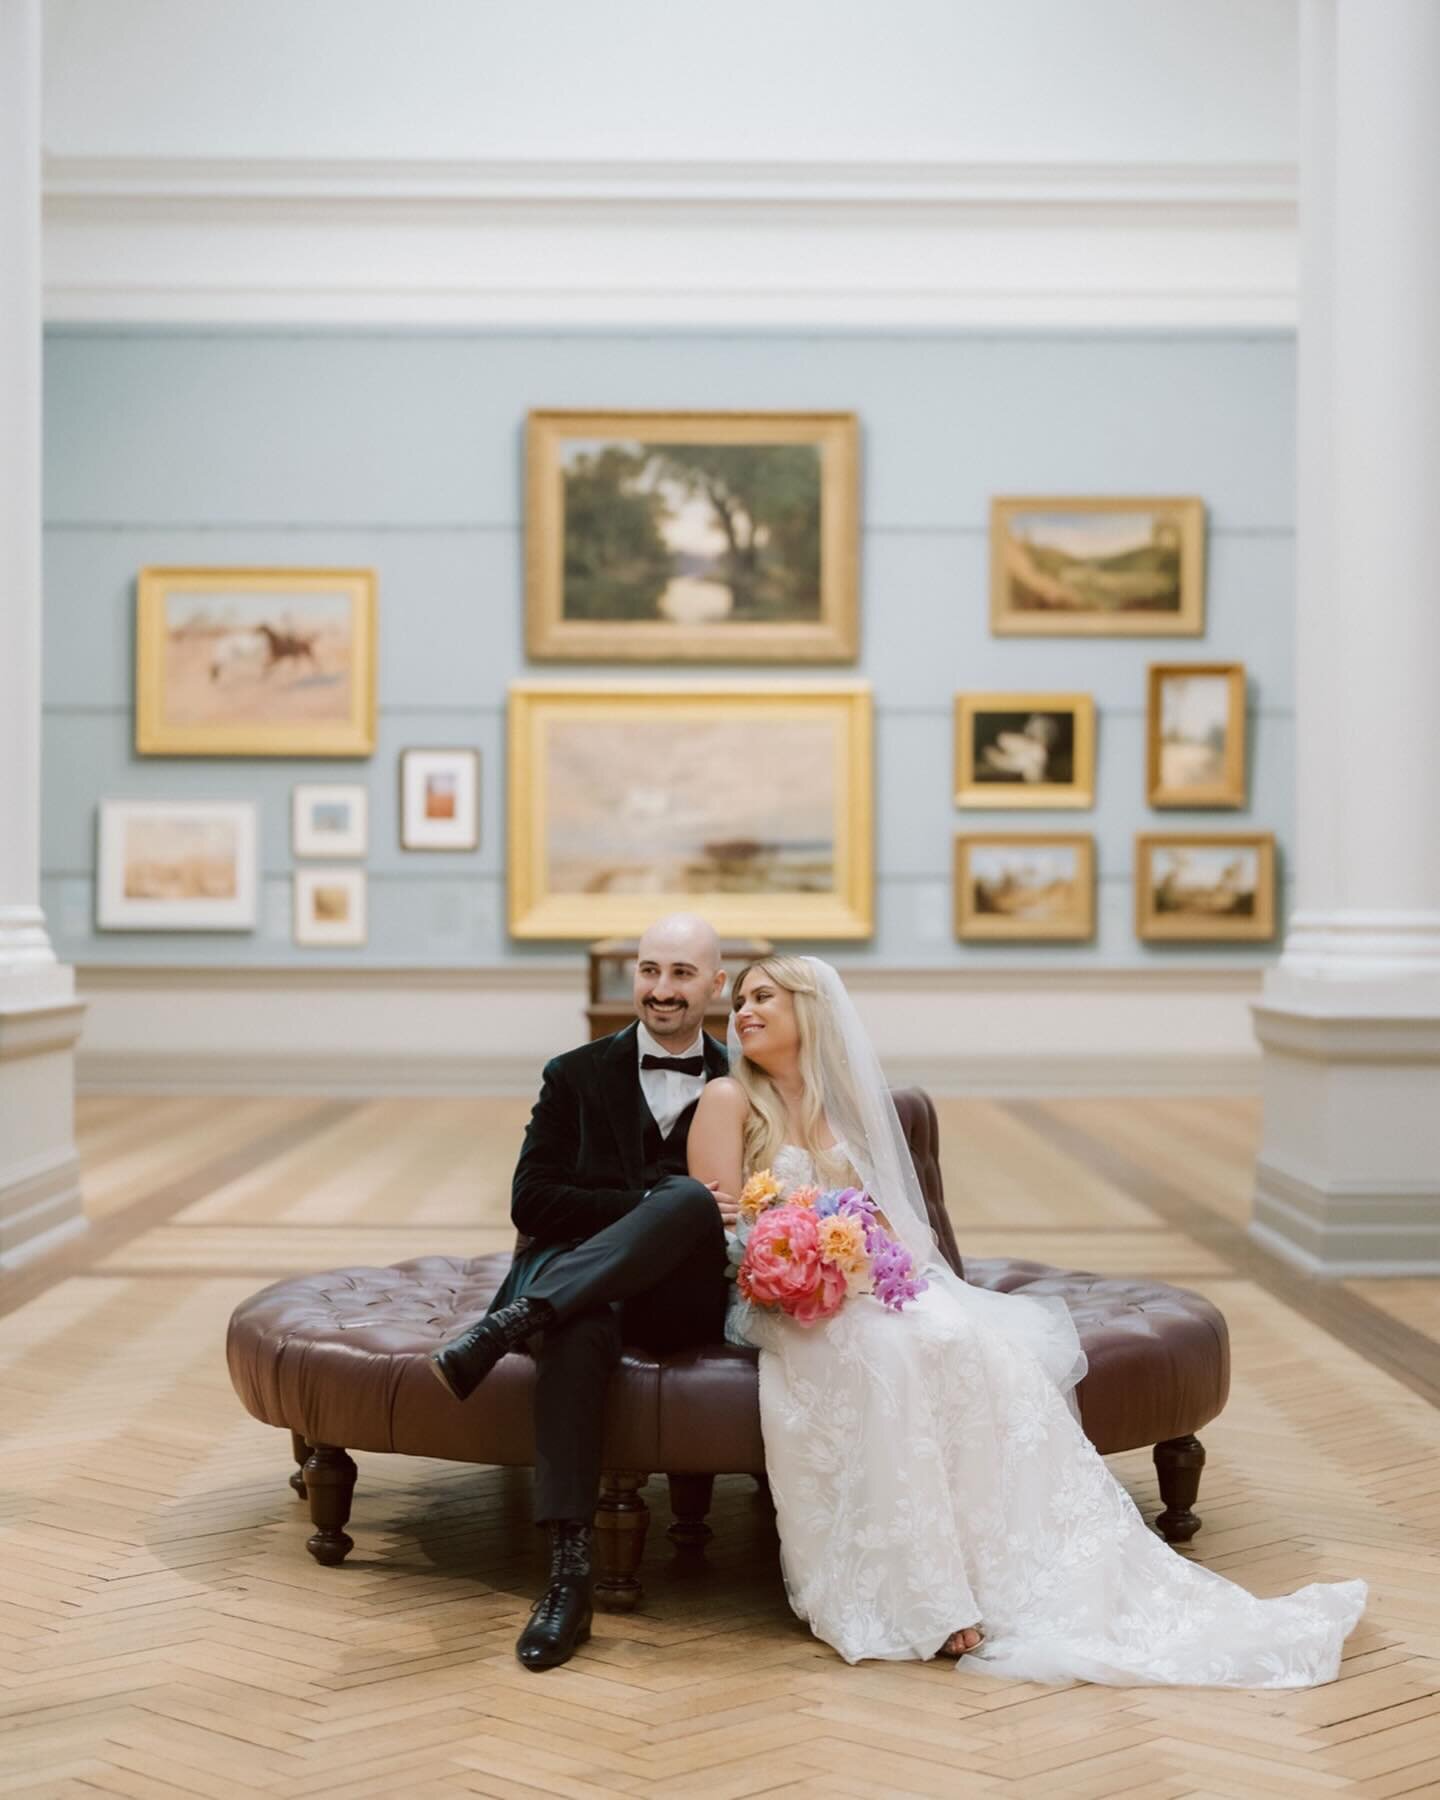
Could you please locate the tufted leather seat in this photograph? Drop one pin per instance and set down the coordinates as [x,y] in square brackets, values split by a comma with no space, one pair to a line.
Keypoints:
[339,1359]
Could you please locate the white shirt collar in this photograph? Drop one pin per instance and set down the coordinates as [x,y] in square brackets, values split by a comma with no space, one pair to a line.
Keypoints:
[648,1046]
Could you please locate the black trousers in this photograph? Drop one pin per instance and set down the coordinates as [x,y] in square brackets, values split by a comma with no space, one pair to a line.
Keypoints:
[655,1278]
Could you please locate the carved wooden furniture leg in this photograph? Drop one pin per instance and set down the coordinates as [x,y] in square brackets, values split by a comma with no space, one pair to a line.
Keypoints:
[330,1483]
[690,1497]
[621,1521]
[300,1450]
[1178,1462]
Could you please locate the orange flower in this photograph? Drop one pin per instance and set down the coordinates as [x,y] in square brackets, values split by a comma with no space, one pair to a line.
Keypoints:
[842,1242]
[760,1191]
[803,1196]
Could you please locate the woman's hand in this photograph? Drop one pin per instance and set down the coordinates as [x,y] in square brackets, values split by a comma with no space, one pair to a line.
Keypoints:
[728,1204]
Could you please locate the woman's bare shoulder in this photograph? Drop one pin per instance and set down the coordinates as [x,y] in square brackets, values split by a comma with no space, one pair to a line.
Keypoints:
[724,1094]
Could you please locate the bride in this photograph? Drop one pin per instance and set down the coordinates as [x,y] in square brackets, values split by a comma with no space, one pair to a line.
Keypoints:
[934,1489]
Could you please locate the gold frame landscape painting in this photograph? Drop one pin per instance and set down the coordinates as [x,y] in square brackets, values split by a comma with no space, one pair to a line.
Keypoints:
[750,803]
[255,662]
[1205,886]
[691,537]
[1025,886]
[1023,750]
[1075,566]
[176,865]
[1195,734]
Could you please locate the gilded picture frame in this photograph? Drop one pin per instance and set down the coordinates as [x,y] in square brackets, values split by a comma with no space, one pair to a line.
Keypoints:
[255,662]
[749,802]
[1085,565]
[691,536]
[1024,886]
[1205,886]
[1186,705]
[1024,750]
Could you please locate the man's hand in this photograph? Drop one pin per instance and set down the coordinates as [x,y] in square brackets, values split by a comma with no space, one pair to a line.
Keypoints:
[728,1204]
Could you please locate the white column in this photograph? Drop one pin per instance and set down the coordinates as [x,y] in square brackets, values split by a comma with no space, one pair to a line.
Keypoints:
[1349,1173]
[39,1016]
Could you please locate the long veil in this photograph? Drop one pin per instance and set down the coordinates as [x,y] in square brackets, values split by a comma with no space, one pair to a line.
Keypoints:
[861,1112]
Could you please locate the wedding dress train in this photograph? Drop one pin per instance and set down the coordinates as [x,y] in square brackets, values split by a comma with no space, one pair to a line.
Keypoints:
[928,1474]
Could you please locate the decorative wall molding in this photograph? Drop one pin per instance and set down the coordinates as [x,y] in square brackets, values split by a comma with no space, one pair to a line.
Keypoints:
[907,244]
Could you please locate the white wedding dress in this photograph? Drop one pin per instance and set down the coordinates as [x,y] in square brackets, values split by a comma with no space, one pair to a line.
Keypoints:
[928,1474]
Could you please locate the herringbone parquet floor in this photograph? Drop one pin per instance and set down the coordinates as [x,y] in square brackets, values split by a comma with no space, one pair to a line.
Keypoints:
[163,1632]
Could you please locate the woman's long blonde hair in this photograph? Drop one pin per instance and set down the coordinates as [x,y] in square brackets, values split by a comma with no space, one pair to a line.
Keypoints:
[766,1127]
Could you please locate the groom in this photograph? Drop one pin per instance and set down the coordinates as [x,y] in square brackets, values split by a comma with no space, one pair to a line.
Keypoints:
[623,1247]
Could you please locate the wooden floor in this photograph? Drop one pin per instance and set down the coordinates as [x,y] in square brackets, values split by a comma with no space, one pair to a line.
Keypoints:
[163,1632]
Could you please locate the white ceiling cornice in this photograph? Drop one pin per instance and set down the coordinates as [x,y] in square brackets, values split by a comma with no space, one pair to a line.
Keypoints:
[853,244]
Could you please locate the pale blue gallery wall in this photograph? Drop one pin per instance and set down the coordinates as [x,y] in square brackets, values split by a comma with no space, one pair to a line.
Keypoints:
[403,452]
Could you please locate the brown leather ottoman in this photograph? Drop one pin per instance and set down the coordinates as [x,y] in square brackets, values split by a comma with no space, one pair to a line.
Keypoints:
[339,1360]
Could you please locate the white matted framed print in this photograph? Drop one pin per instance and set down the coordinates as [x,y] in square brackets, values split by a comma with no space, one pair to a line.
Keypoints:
[330,906]
[176,865]
[329,821]
[439,799]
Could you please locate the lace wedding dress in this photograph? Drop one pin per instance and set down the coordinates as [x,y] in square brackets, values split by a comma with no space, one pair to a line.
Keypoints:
[928,1474]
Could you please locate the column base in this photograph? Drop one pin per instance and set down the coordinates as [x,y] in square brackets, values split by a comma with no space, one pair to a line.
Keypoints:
[1348,1177]
[40,1198]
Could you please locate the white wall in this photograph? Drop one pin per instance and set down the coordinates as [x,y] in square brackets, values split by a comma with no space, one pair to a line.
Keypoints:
[659,80]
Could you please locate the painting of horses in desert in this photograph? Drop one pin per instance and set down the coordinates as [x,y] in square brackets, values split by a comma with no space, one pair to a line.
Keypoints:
[1078,566]
[249,662]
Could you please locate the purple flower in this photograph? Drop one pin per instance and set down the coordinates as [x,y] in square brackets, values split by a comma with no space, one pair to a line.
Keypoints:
[892,1271]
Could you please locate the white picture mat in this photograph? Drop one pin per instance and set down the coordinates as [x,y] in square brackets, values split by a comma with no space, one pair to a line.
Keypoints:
[309,930]
[419,833]
[305,840]
[117,911]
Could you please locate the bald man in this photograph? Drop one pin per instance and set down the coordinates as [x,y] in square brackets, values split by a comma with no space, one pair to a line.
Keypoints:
[623,1247]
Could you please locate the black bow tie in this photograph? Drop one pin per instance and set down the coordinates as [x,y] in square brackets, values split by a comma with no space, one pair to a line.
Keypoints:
[682,1065]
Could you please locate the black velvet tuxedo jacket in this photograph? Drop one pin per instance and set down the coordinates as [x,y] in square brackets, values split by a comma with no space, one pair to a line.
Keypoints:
[582,1165]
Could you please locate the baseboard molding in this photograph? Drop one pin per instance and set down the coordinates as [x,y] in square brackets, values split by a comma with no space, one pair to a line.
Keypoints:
[40,1211]
[370,1075]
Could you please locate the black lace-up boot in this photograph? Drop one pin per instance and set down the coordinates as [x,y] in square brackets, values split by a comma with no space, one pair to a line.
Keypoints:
[560,1618]
[463,1363]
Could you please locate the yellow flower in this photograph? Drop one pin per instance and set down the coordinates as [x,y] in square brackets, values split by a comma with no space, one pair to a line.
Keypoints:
[842,1242]
[758,1192]
[803,1196]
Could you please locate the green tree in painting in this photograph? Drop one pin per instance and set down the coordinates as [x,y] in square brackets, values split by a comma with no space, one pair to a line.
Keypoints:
[617,564]
[765,498]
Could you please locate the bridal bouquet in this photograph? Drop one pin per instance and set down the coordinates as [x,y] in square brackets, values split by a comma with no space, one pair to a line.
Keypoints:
[806,1251]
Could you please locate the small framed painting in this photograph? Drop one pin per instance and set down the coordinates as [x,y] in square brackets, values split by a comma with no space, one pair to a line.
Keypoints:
[1205,886]
[439,799]
[255,662]
[172,865]
[1079,566]
[1195,740]
[1021,886]
[691,537]
[329,821]
[329,906]
[1024,750]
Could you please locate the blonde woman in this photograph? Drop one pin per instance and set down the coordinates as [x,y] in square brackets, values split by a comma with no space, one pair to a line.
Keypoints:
[934,1489]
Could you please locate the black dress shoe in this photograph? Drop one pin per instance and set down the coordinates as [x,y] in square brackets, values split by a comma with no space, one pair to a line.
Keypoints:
[462,1364]
[560,1618]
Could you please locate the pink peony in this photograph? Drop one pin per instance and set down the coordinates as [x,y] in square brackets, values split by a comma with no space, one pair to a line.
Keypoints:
[782,1266]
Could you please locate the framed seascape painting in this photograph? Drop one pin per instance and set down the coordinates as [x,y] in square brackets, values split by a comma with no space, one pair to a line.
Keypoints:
[1024,750]
[329,820]
[1066,566]
[1025,886]
[172,865]
[255,662]
[440,799]
[1205,886]
[1195,736]
[691,536]
[750,803]
[329,907]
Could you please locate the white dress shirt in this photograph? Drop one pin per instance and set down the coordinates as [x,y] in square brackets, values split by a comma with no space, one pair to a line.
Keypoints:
[667,1092]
